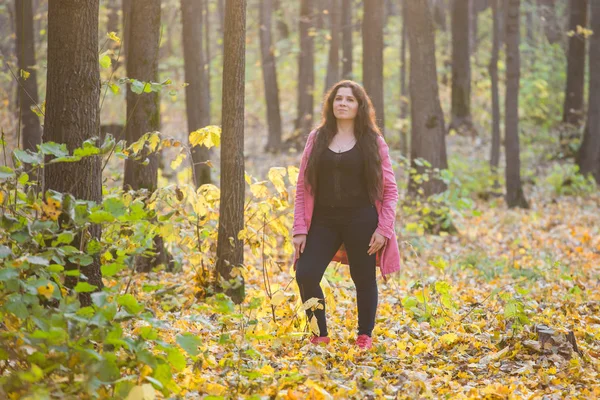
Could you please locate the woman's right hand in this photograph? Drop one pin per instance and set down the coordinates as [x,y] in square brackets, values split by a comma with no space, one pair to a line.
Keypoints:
[299,243]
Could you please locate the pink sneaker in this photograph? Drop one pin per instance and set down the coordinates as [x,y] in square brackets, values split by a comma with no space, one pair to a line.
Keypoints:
[320,339]
[364,342]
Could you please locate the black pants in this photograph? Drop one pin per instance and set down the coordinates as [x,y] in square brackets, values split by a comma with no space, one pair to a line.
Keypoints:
[330,227]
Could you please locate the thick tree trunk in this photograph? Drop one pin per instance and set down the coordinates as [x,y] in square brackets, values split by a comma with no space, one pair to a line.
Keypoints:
[196,93]
[72,109]
[143,114]
[514,190]
[573,106]
[552,29]
[270,76]
[372,40]
[493,70]
[333,64]
[306,73]
[428,131]
[588,157]
[31,134]
[461,69]
[347,39]
[230,250]
[403,90]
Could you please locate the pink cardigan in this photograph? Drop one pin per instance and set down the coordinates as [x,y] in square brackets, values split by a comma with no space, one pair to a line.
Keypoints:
[388,258]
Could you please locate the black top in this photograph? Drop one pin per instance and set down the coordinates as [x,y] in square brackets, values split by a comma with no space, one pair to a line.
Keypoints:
[341,179]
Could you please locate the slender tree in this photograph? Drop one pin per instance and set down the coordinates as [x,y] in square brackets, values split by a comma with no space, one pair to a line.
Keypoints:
[372,41]
[306,72]
[588,157]
[493,70]
[31,134]
[428,132]
[547,12]
[72,110]
[333,64]
[514,190]
[461,68]
[143,114]
[207,43]
[270,76]
[403,89]
[196,93]
[573,106]
[347,39]
[112,23]
[230,249]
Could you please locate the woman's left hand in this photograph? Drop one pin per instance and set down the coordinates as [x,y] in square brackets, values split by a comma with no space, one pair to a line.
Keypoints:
[376,243]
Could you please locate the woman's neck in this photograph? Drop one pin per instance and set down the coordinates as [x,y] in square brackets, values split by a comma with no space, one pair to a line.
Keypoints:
[345,127]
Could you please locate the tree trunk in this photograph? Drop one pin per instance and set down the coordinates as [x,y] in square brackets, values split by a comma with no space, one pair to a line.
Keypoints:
[196,93]
[588,157]
[347,39]
[270,76]
[143,113]
[403,90]
[514,190]
[573,106]
[493,70]
[72,109]
[112,24]
[282,26]
[306,73]
[320,8]
[528,9]
[230,249]
[126,23]
[428,131]
[461,69]
[31,134]
[473,25]
[372,40]
[552,28]
[439,14]
[333,65]
[207,42]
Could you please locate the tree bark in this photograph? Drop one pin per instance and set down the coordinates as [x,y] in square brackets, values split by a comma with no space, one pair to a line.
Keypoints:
[31,134]
[270,76]
[428,131]
[282,26]
[112,24]
[207,42]
[230,250]
[72,109]
[514,190]
[143,113]
[461,68]
[439,11]
[404,103]
[493,70]
[333,64]
[552,29]
[306,73]
[196,93]
[588,157]
[573,105]
[372,40]
[347,39]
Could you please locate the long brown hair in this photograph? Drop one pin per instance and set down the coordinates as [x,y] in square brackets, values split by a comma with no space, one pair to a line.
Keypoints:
[365,131]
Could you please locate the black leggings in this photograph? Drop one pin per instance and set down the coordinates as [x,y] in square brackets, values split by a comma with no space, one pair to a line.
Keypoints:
[330,227]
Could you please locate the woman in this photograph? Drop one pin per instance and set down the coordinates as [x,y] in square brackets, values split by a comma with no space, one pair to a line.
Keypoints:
[346,194]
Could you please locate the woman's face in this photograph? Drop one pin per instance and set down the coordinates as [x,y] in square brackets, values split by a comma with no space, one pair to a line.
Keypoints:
[345,105]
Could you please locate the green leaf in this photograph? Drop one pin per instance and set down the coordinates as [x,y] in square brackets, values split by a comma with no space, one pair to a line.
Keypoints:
[55,149]
[66,237]
[176,359]
[137,87]
[28,157]
[100,216]
[189,343]
[109,270]
[64,159]
[6,172]
[4,251]
[88,149]
[8,273]
[55,268]
[105,61]
[114,88]
[84,287]
[115,206]
[37,260]
[24,178]
[130,303]
[81,259]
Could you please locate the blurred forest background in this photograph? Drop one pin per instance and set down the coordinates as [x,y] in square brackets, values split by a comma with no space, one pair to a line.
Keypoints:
[150,155]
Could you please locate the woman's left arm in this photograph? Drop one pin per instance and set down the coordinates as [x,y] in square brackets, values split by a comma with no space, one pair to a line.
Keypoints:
[387,216]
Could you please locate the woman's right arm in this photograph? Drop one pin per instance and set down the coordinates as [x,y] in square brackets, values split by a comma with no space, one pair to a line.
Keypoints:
[299,227]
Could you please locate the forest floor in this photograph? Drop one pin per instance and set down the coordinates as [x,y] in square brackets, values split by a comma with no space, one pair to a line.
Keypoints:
[485,312]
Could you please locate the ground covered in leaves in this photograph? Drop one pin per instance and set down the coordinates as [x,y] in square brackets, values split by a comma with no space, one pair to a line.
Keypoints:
[507,307]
